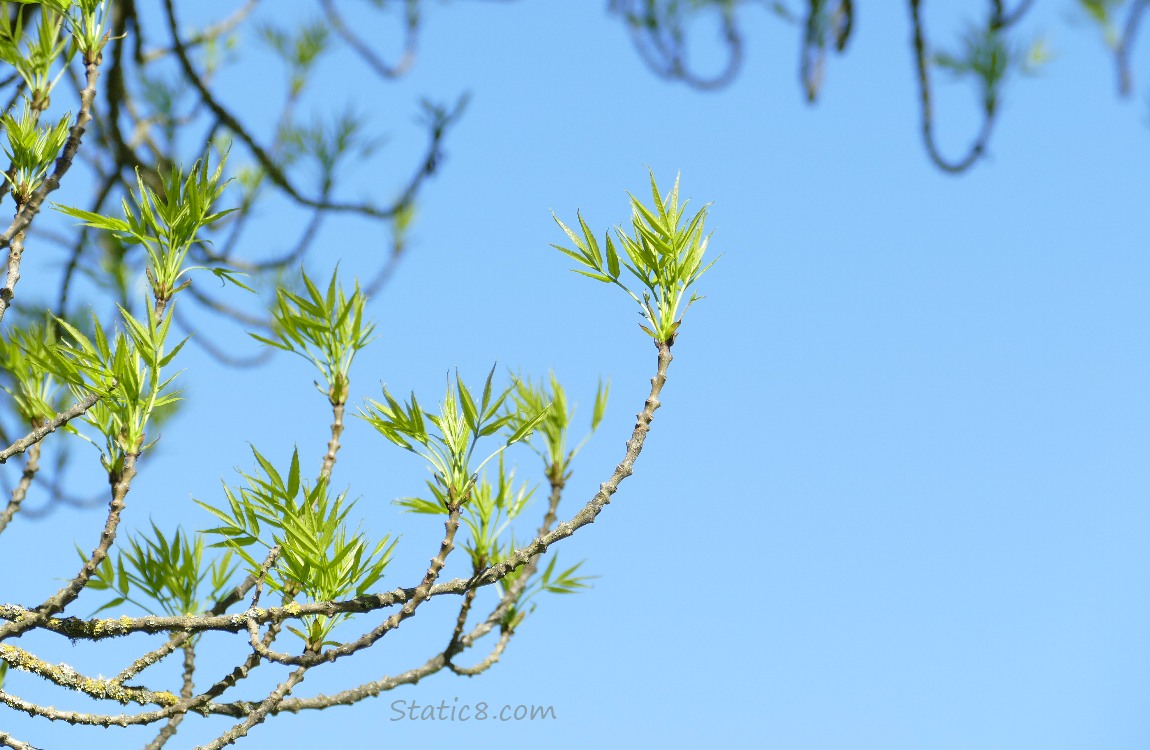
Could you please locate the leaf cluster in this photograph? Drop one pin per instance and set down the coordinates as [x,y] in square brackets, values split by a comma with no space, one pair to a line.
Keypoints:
[34,57]
[126,369]
[89,29]
[165,222]
[35,393]
[325,328]
[562,582]
[300,50]
[169,573]
[986,53]
[457,429]
[487,515]
[320,557]
[328,143]
[552,431]
[31,150]
[665,255]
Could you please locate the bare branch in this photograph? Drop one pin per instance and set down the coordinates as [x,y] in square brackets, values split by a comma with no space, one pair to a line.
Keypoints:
[41,432]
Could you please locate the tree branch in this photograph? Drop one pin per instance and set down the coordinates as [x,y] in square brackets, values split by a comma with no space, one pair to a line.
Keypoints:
[28,211]
[38,434]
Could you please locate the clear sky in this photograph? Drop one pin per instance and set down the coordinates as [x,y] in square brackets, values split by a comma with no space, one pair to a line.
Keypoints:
[896,496]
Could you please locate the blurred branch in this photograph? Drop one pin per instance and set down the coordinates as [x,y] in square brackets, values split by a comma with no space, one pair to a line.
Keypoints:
[658,30]
[821,28]
[1126,44]
[927,106]
[366,53]
[273,170]
[205,35]
[986,56]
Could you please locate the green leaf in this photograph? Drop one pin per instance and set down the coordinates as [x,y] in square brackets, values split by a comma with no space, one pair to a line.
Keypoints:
[229,276]
[293,475]
[469,412]
[612,259]
[267,467]
[600,404]
[528,426]
[663,254]
[596,276]
[215,512]
[113,603]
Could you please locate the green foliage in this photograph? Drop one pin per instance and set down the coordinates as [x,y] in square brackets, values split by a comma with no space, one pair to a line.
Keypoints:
[983,54]
[664,255]
[328,143]
[987,54]
[89,29]
[327,329]
[401,226]
[487,515]
[319,556]
[458,427]
[564,582]
[166,222]
[299,51]
[34,58]
[167,573]
[126,367]
[34,391]
[529,398]
[126,370]
[31,149]
[59,6]
[113,377]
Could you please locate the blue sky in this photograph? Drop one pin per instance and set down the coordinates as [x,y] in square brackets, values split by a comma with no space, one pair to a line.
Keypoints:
[896,493]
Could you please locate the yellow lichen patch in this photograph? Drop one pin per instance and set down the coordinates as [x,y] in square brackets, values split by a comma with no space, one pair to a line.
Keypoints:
[23,660]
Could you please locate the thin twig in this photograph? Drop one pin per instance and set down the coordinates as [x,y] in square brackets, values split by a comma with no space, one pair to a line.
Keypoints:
[266,162]
[35,436]
[978,147]
[20,491]
[1126,44]
[121,481]
[374,61]
[260,713]
[29,210]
